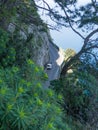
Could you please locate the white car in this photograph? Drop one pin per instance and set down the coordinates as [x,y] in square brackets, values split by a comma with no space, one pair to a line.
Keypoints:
[49,66]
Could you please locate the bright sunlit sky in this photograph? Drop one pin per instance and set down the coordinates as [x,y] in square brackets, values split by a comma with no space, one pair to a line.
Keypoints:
[65,38]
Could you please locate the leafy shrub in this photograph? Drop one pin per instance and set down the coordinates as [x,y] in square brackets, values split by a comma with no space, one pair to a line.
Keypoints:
[7,51]
[77,88]
[24,104]
[3,41]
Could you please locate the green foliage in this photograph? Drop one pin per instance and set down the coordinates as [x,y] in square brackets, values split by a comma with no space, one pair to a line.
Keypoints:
[24,103]
[89,16]
[3,41]
[81,16]
[7,52]
[69,53]
[77,89]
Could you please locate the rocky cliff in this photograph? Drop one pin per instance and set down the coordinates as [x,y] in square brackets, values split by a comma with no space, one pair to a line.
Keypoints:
[28,33]
[37,41]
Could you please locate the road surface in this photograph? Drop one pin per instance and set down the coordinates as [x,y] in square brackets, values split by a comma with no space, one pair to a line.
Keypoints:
[56,58]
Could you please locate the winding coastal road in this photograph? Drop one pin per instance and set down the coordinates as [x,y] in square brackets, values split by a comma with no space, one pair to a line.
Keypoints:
[56,58]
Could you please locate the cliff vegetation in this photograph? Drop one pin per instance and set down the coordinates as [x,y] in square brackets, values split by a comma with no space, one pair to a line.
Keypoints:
[70,103]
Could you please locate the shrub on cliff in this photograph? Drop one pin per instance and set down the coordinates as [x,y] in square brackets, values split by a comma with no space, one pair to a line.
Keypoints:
[78,89]
[24,103]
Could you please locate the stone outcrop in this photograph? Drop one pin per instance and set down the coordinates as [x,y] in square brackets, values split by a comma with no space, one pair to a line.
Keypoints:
[41,40]
[38,43]
[29,35]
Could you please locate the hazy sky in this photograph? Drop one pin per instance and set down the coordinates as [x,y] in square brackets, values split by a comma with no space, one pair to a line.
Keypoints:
[66,38]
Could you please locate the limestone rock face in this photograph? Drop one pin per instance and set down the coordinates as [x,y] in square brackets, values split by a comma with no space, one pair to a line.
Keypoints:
[41,44]
[37,41]
[42,55]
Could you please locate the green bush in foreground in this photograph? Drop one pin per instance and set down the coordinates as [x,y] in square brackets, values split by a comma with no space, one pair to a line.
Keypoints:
[24,104]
